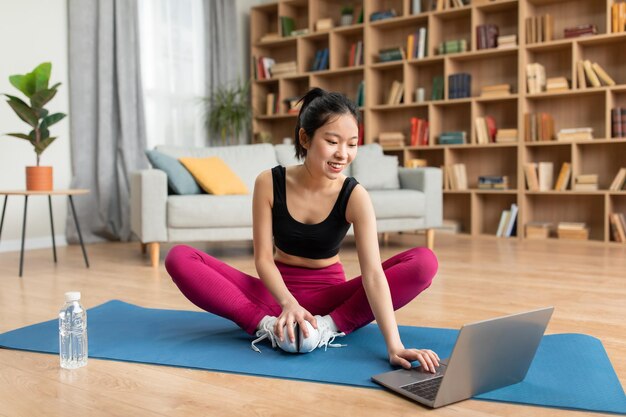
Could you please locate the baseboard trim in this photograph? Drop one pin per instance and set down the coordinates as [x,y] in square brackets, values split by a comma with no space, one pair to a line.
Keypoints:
[32,243]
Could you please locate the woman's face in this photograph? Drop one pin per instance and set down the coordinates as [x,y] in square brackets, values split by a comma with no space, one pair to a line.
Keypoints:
[333,147]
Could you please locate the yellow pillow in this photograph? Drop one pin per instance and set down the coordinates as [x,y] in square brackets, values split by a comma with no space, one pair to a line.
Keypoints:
[214,176]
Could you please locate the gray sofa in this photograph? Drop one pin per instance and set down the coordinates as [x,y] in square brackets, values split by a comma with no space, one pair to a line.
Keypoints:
[404,199]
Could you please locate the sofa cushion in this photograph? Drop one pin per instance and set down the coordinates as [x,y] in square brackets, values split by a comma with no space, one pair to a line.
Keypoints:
[389,204]
[376,172]
[247,161]
[214,176]
[206,210]
[179,180]
[286,155]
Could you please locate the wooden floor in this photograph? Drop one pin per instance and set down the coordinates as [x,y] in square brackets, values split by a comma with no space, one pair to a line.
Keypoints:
[477,279]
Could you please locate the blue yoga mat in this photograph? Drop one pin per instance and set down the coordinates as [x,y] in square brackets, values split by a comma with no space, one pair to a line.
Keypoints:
[569,371]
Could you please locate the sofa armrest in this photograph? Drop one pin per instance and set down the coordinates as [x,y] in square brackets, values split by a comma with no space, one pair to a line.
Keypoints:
[429,181]
[148,205]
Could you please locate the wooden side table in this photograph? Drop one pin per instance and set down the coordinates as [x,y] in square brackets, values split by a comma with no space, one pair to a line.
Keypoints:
[27,194]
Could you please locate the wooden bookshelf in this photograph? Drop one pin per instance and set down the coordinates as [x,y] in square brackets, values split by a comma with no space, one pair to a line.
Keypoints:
[478,211]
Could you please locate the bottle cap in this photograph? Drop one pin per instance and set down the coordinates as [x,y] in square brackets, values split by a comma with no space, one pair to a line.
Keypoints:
[72,296]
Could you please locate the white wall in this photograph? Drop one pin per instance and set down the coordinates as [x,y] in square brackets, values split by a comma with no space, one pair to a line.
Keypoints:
[32,32]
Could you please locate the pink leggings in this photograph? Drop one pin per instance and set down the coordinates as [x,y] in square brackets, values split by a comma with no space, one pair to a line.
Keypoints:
[223,290]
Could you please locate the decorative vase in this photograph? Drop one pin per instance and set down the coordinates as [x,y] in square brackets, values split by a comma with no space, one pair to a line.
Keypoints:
[39,178]
[346,19]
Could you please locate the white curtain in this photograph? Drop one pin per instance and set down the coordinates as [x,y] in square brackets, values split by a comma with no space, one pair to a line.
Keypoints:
[172,39]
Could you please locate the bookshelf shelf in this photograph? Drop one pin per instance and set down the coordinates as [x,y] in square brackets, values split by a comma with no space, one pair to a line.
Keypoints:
[476,210]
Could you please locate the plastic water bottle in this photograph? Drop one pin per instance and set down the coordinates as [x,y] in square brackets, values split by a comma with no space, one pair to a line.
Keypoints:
[73,332]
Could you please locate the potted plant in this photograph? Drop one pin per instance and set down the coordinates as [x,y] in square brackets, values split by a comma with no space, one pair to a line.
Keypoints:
[35,87]
[347,15]
[229,111]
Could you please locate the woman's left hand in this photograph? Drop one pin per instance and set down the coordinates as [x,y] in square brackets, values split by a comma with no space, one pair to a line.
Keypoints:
[426,357]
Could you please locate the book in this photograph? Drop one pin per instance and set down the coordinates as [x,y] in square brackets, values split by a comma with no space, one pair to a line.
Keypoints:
[563,178]
[602,75]
[545,172]
[532,179]
[580,75]
[493,182]
[512,220]
[557,84]
[618,122]
[538,230]
[504,216]
[287,25]
[581,133]
[586,179]
[506,135]
[619,180]
[590,73]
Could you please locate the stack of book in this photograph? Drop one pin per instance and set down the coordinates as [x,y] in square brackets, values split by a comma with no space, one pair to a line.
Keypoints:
[262,67]
[355,58]
[539,28]
[486,130]
[493,182]
[557,84]
[382,15]
[487,36]
[360,95]
[281,69]
[506,136]
[574,134]
[563,178]
[416,44]
[592,74]
[391,139]
[572,230]
[449,226]
[415,163]
[498,90]
[320,62]
[453,138]
[324,24]
[455,177]
[580,30]
[437,93]
[586,182]
[538,230]
[618,122]
[618,227]
[452,47]
[508,219]
[507,42]
[419,132]
[292,104]
[539,175]
[538,127]
[618,182]
[391,54]
[535,78]
[459,85]
[618,17]
[396,93]
[270,36]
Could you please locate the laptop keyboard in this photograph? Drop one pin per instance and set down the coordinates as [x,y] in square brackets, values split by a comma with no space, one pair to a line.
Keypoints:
[425,389]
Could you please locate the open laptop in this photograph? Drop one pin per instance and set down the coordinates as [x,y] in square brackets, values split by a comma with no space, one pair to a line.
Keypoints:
[487,355]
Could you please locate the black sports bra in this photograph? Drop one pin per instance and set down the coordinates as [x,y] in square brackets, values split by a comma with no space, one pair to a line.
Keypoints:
[313,241]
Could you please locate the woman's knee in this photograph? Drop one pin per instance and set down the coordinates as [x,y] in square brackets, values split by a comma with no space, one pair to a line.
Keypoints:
[177,257]
[427,263]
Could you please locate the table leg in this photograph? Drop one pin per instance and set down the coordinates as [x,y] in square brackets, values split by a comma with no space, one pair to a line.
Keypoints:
[4,209]
[54,246]
[23,235]
[80,236]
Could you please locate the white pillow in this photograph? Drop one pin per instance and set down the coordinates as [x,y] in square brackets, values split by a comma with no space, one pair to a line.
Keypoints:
[376,172]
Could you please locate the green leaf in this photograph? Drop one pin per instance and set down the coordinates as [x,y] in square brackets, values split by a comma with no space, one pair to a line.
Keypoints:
[43,113]
[52,119]
[19,135]
[40,98]
[44,144]
[23,111]
[42,76]
[24,83]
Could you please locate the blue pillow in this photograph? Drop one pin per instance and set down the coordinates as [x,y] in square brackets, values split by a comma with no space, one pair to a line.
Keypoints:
[179,179]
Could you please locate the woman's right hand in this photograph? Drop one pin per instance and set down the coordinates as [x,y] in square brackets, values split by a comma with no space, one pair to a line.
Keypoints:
[293,313]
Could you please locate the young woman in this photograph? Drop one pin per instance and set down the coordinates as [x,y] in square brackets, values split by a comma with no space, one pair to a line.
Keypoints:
[301,214]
